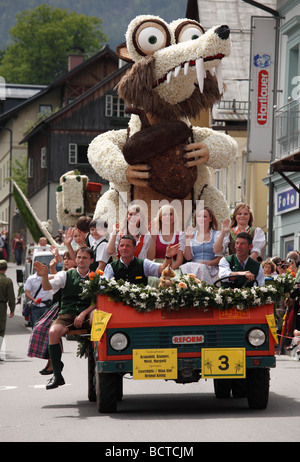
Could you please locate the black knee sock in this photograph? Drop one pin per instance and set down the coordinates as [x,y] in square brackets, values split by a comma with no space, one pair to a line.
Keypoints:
[55,356]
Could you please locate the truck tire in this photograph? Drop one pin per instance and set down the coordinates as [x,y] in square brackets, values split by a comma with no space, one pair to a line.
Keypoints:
[258,384]
[107,387]
[120,387]
[222,388]
[91,374]
[239,388]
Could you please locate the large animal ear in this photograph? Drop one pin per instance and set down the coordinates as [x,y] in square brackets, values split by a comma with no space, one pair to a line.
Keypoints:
[122,53]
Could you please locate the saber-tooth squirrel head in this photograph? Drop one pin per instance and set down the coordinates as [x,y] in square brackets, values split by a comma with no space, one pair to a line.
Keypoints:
[177,67]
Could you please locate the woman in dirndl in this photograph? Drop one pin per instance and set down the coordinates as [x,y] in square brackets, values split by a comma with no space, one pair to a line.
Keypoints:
[241,221]
[199,253]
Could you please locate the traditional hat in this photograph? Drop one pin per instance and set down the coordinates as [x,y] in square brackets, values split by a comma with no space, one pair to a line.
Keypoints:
[94,186]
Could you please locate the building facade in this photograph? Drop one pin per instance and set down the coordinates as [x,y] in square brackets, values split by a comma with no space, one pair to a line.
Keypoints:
[283,179]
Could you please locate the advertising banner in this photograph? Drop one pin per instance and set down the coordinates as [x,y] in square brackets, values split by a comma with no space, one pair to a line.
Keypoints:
[261,92]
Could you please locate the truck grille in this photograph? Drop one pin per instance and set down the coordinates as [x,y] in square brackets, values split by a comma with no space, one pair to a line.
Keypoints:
[161,337]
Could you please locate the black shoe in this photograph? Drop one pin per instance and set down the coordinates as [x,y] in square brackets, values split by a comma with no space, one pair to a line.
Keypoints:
[55,382]
[46,371]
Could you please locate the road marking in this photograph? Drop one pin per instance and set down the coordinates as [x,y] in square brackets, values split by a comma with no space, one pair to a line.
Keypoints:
[10,387]
[3,387]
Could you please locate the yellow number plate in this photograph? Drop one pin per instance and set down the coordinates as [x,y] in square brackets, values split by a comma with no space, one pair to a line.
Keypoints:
[223,363]
[154,364]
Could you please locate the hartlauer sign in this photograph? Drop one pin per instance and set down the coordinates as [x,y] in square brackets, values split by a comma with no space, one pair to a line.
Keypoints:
[262,97]
[261,89]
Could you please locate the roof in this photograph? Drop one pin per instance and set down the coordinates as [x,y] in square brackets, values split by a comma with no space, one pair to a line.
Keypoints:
[22,91]
[76,101]
[237,15]
[56,83]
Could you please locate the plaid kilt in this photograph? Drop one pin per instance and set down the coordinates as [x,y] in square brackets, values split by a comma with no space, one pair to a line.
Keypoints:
[39,338]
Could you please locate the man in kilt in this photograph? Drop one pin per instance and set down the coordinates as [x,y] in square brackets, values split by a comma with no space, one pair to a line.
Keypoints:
[74,311]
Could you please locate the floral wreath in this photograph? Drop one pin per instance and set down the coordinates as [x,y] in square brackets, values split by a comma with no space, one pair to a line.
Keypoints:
[185,294]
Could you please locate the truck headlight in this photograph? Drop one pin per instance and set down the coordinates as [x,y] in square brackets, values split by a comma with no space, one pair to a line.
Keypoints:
[119,341]
[256,337]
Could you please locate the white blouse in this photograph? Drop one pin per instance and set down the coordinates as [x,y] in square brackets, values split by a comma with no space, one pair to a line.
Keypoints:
[259,240]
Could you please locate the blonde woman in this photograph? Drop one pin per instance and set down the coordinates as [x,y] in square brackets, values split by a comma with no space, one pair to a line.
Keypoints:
[199,252]
[165,230]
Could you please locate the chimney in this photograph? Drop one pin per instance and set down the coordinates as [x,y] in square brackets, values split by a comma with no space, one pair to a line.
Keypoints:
[74,60]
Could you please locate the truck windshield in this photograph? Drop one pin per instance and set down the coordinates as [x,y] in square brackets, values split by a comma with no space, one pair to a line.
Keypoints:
[45,259]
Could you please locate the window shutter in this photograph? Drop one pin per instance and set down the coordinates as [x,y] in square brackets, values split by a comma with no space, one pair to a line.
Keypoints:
[108,105]
[44,157]
[72,153]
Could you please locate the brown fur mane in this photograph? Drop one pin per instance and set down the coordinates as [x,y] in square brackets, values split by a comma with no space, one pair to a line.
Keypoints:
[136,88]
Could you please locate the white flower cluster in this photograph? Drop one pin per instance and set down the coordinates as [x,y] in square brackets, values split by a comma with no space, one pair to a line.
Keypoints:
[70,198]
[186,295]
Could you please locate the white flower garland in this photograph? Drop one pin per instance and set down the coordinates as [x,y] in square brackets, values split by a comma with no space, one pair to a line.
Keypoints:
[186,294]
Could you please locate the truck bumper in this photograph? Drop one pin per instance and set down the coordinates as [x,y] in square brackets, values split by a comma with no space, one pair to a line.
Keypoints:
[125,366]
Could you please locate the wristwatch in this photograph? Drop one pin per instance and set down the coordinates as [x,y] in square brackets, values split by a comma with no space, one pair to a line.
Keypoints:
[168,258]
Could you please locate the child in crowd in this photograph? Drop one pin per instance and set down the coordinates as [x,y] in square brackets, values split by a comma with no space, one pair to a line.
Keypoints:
[295,345]
[83,228]
[98,231]
[269,268]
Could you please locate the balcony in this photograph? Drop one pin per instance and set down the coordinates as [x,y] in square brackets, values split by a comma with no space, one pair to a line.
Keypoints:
[286,157]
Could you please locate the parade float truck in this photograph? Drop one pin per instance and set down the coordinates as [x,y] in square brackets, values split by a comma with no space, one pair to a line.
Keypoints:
[233,346]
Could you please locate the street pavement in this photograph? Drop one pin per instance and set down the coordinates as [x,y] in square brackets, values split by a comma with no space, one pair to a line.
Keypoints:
[151,411]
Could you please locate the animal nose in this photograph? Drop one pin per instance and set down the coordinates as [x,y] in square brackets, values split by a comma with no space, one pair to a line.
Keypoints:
[223,32]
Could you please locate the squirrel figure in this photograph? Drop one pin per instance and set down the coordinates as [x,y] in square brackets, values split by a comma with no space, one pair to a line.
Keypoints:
[176,73]
[166,276]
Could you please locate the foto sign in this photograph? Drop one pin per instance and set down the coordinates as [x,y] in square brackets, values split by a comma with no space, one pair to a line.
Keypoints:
[263,38]
[286,201]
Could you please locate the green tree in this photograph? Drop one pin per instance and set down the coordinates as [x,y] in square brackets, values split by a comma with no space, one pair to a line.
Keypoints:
[19,173]
[41,40]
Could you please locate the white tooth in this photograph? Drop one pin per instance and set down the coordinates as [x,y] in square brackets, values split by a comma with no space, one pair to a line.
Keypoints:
[176,72]
[186,67]
[169,75]
[219,77]
[200,73]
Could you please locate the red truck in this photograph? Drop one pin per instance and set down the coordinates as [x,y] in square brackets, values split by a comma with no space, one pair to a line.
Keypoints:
[235,348]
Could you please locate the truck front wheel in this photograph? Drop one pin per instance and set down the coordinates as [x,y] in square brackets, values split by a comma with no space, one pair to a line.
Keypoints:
[258,384]
[107,391]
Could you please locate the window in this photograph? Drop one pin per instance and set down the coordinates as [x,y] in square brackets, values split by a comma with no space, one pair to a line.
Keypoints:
[114,107]
[45,109]
[30,167]
[44,157]
[291,29]
[78,154]
[288,244]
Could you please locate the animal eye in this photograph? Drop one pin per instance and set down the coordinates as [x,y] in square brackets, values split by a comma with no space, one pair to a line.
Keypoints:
[150,37]
[189,31]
